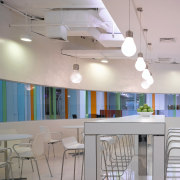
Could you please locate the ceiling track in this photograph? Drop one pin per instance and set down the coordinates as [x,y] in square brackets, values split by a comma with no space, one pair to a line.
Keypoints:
[31,17]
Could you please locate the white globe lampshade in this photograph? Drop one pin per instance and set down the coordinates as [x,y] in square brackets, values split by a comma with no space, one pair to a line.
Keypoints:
[76,77]
[145,85]
[128,47]
[146,74]
[140,64]
[150,80]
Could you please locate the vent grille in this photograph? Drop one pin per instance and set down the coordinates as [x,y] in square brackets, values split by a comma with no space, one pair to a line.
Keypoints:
[167,40]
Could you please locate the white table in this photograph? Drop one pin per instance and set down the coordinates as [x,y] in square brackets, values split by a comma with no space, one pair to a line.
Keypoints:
[154,125]
[75,127]
[11,137]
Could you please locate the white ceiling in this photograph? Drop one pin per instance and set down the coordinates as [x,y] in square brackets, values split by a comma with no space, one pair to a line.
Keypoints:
[159,17]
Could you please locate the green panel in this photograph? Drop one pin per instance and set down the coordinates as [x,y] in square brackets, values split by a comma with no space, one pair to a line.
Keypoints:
[54,103]
[86,104]
[118,104]
[4,101]
[174,102]
[35,103]
[142,99]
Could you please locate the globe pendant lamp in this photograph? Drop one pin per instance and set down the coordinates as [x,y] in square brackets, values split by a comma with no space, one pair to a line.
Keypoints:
[150,80]
[76,77]
[146,74]
[140,65]
[145,85]
[128,47]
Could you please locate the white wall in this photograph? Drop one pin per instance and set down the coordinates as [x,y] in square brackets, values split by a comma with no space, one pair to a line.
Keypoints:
[41,62]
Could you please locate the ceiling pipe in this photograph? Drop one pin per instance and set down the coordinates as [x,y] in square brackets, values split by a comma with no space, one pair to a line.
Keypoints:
[31,17]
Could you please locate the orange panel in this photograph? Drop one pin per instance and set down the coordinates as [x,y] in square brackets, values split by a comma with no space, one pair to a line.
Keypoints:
[105,100]
[66,103]
[32,101]
[153,102]
[93,102]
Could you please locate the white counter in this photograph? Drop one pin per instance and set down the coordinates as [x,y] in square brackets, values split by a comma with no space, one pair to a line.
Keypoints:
[154,125]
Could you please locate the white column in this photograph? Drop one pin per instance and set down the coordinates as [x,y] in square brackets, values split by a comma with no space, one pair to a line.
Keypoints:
[92,158]
[158,163]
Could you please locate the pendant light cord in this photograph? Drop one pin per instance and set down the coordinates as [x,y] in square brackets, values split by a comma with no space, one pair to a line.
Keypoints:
[140,30]
[129,15]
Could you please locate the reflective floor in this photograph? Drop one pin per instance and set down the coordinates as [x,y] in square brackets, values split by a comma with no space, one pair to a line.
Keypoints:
[55,164]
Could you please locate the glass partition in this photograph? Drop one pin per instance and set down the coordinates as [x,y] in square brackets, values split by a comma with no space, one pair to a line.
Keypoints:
[25,102]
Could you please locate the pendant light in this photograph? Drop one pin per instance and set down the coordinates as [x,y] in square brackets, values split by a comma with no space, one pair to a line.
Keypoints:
[150,80]
[140,64]
[145,85]
[146,74]
[128,47]
[76,77]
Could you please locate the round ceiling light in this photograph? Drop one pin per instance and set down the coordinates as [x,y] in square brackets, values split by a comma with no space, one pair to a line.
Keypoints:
[104,61]
[26,38]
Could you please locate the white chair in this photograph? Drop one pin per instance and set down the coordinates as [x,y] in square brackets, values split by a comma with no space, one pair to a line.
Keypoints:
[7,163]
[50,140]
[36,151]
[173,153]
[70,144]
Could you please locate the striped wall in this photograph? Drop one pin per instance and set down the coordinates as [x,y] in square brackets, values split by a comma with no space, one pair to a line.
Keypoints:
[25,102]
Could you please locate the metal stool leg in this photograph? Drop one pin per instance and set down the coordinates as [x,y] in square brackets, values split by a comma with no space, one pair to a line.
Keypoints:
[37,169]
[63,164]
[48,166]
[75,166]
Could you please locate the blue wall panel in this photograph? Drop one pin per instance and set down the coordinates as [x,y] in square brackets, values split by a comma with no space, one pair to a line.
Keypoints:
[12,108]
[21,101]
[72,102]
[1,103]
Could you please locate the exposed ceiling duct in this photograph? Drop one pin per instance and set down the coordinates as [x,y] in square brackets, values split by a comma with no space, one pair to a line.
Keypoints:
[73,22]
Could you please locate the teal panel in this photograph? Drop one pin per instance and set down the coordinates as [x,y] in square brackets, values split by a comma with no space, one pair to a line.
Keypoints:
[1,103]
[12,106]
[21,101]
[72,103]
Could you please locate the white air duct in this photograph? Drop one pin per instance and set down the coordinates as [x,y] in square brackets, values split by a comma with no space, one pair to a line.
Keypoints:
[85,21]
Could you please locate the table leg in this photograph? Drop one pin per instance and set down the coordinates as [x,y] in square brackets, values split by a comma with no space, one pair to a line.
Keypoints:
[5,158]
[92,157]
[78,134]
[158,163]
[142,155]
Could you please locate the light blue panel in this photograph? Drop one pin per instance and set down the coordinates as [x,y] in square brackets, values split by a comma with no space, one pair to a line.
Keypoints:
[21,101]
[89,102]
[99,101]
[12,105]
[43,102]
[27,103]
[1,109]
[38,101]
[72,102]
[112,101]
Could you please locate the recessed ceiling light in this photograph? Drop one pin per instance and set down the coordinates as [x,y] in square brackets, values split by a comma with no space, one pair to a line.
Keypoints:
[26,38]
[104,61]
